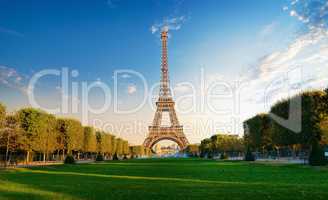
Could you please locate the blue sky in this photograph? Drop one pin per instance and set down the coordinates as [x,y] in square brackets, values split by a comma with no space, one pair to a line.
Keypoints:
[228,39]
[61,33]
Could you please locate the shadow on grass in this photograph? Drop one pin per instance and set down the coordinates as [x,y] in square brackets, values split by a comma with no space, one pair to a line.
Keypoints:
[20,195]
[100,182]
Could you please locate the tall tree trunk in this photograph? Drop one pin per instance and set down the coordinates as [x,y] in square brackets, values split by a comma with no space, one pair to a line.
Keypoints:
[57,154]
[27,157]
[9,159]
[44,156]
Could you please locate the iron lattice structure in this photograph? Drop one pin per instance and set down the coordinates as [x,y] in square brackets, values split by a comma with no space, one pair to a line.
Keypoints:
[165,103]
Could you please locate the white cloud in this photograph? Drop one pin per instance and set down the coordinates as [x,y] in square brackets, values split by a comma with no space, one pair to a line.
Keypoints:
[303,64]
[294,2]
[293,13]
[9,77]
[173,23]
[182,88]
[313,13]
[132,89]
[268,29]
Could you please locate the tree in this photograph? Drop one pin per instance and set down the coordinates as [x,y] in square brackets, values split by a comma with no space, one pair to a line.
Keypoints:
[89,140]
[222,143]
[103,142]
[119,146]
[10,136]
[257,133]
[114,144]
[47,138]
[324,131]
[317,155]
[71,134]
[126,149]
[262,132]
[2,116]
[107,144]
[137,151]
[192,150]
[31,123]
[206,148]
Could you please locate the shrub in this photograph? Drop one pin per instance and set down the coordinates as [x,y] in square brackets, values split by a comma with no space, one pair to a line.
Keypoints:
[209,156]
[317,155]
[223,156]
[249,155]
[115,157]
[69,160]
[99,157]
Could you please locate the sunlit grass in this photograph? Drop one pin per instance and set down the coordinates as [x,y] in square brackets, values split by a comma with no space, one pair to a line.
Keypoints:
[10,189]
[165,179]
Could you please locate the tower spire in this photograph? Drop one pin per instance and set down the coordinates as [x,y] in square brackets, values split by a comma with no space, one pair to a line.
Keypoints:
[165,104]
[164,85]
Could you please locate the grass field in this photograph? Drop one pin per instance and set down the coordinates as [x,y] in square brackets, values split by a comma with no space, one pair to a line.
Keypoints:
[166,179]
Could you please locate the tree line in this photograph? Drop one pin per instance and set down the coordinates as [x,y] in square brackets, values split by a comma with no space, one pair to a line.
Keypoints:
[264,135]
[139,151]
[305,136]
[32,134]
[221,145]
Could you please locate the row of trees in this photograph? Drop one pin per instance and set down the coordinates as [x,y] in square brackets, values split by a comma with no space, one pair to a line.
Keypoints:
[304,131]
[221,144]
[140,151]
[31,134]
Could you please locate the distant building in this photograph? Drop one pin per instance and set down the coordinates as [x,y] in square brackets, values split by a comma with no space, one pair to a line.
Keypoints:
[166,150]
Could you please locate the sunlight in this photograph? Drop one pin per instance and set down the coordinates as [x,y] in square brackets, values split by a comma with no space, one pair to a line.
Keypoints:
[163,179]
[12,187]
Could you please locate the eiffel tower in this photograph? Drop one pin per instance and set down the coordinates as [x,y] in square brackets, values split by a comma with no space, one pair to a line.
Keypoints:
[165,103]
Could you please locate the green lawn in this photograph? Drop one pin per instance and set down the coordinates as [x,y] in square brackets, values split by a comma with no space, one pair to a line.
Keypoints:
[166,179]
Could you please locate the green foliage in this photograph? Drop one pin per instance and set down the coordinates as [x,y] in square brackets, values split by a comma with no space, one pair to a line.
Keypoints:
[126,149]
[2,115]
[312,112]
[35,132]
[107,143]
[89,140]
[36,127]
[206,148]
[10,136]
[263,133]
[139,151]
[119,146]
[71,131]
[220,144]
[192,150]
[69,159]
[257,132]
[317,155]
[324,131]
